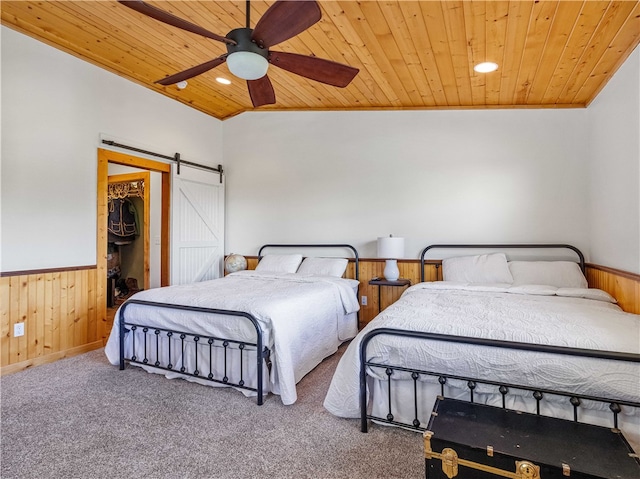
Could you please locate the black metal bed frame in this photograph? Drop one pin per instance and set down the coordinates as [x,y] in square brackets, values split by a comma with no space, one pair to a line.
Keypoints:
[615,405]
[152,335]
[356,257]
[198,340]
[499,246]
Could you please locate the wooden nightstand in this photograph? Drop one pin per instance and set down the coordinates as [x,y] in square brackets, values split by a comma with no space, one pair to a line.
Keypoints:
[380,282]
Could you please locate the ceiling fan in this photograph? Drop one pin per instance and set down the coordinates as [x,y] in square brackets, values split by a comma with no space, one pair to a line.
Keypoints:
[248,50]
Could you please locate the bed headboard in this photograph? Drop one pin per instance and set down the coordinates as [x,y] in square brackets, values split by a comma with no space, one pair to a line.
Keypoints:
[356,257]
[501,247]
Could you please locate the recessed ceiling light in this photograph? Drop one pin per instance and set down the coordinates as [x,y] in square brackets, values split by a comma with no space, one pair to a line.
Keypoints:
[182,85]
[486,67]
[224,81]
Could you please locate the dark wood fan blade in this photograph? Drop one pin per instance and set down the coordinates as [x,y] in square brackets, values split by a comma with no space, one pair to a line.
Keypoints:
[193,71]
[170,19]
[285,19]
[314,68]
[261,91]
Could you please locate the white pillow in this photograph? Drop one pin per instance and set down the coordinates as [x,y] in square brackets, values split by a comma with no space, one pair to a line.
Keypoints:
[279,263]
[323,267]
[483,268]
[590,293]
[535,289]
[561,274]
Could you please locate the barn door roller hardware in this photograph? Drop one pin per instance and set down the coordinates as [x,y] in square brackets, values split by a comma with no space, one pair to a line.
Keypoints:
[175,158]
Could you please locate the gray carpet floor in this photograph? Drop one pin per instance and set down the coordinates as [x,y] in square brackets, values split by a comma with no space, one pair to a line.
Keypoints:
[83,418]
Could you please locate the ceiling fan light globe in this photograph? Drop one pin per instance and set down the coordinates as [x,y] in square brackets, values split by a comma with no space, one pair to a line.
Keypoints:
[247,65]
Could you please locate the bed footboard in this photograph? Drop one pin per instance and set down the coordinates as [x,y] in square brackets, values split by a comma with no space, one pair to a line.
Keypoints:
[154,339]
[538,393]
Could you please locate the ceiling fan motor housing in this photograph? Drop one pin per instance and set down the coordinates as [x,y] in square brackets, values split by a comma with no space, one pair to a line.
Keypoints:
[242,37]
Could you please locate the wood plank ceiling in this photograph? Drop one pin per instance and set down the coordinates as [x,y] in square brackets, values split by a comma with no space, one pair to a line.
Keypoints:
[411,54]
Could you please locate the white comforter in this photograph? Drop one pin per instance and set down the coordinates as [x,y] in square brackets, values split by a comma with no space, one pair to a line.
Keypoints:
[304,319]
[545,315]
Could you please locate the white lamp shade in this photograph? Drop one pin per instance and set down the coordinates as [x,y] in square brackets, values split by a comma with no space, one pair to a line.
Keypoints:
[247,65]
[390,247]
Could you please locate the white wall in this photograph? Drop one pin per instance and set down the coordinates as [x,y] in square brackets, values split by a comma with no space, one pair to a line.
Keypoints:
[614,153]
[430,176]
[55,108]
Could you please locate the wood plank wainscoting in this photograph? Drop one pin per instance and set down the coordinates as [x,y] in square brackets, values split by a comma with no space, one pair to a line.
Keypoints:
[59,310]
[623,286]
[60,307]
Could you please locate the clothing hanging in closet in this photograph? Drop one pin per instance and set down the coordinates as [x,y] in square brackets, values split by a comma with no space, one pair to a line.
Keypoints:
[122,226]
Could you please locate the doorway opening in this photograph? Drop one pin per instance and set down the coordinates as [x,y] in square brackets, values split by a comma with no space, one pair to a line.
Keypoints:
[144,167]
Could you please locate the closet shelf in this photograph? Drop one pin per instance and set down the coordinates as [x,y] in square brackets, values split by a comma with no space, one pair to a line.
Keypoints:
[126,190]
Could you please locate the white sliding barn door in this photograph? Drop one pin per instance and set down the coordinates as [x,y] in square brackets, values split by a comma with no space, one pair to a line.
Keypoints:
[197,225]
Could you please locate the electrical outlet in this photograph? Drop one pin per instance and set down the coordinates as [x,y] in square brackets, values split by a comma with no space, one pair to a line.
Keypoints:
[363,300]
[18,330]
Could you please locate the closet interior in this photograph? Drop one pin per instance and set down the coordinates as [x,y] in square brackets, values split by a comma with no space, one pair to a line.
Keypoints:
[125,236]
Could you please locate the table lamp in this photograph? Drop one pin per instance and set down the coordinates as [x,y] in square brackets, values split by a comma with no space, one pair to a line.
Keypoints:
[391,248]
